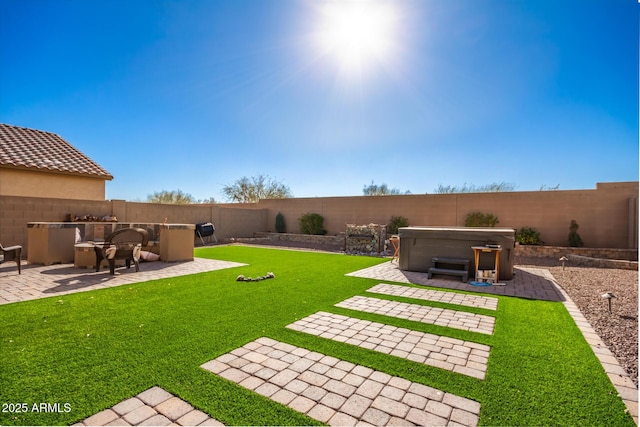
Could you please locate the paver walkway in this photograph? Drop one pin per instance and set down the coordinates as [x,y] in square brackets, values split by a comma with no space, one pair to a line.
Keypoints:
[463,357]
[437,296]
[421,313]
[337,392]
[527,282]
[533,283]
[154,407]
[38,281]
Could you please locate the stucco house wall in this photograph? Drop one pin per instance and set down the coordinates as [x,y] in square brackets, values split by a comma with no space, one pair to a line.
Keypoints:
[15,182]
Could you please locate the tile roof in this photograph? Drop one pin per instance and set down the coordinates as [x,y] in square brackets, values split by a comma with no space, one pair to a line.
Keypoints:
[35,149]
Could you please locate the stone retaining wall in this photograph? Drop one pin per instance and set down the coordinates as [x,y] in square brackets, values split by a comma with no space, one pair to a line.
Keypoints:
[336,241]
[559,251]
[602,263]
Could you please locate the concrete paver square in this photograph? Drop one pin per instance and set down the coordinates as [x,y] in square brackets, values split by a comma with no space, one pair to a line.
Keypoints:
[140,414]
[101,418]
[174,408]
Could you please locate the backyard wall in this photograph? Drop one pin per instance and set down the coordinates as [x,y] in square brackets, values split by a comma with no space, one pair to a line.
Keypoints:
[230,221]
[608,215]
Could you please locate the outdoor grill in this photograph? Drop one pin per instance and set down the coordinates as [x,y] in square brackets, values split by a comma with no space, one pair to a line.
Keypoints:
[205,229]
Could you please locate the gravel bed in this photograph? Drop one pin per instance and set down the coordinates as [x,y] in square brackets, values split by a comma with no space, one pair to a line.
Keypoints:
[585,286]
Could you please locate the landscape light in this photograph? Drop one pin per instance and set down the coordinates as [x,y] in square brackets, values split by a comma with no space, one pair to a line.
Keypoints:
[609,296]
[564,259]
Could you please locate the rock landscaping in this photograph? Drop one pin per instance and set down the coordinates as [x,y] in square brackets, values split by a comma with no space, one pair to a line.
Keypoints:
[585,286]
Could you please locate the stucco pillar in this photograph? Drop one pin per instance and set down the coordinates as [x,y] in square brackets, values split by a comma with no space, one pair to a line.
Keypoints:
[119,210]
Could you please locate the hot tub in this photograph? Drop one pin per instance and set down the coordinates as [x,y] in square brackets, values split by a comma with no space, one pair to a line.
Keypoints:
[418,245]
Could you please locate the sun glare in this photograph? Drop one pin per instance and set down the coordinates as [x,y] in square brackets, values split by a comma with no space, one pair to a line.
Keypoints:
[357,33]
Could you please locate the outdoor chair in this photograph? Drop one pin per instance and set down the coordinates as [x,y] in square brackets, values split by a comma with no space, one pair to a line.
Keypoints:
[12,253]
[124,244]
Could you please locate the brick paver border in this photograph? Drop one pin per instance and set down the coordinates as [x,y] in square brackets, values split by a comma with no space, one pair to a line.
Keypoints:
[625,387]
[419,313]
[463,357]
[338,392]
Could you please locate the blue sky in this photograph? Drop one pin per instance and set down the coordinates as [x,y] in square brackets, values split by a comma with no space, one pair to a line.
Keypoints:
[193,95]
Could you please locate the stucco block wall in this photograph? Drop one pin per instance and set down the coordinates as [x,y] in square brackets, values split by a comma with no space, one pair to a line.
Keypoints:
[158,212]
[607,216]
[17,212]
[338,211]
[241,222]
[15,182]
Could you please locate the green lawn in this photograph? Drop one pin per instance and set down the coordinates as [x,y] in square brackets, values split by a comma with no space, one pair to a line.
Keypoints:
[95,349]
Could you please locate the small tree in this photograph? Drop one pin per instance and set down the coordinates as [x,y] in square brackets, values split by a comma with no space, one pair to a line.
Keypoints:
[280,225]
[479,219]
[528,236]
[176,197]
[208,201]
[575,241]
[397,222]
[381,190]
[545,187]
[251,190]
[495,187]
[312,223]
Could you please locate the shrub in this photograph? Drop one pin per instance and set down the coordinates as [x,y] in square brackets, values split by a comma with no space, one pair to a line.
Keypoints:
[575,241]
[397,222]
[479,219]
[528,236]
[311,223]
[280,226]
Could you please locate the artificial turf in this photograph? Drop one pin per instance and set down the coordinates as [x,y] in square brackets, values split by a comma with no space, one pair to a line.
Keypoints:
[92,350]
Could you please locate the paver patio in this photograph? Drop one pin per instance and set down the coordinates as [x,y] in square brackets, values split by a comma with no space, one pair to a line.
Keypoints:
[463,357]
[420,313]
[337,392]
[527,282]
[39,281]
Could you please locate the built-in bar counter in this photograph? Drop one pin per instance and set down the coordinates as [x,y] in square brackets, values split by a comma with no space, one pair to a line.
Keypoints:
[54,242]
